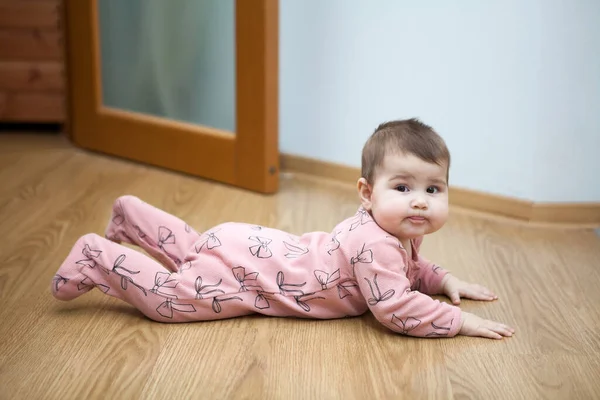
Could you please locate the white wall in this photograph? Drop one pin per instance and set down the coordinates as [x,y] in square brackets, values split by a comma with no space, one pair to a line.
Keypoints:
[568,139]
[513,87]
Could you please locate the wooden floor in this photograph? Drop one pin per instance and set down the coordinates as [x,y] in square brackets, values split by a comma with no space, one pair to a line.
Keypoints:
[97,347]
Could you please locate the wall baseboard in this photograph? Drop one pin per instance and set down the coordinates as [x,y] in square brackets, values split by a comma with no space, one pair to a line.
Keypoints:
[587,214]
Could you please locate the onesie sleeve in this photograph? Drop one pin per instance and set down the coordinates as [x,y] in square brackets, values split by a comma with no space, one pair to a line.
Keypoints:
[429,273]
[379,270]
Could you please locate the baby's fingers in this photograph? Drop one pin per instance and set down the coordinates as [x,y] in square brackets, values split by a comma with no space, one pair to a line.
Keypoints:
[488,333]
[476,292]
[486,291]
[499,328]
[505,330]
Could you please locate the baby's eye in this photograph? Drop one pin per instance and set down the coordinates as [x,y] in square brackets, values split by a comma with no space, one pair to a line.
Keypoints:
[402,188]
[432,189]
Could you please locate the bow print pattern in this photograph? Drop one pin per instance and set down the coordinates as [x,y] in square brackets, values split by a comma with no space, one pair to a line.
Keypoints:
[406,325]
[262,300]
[161,280]
[324,278]
[288,287]
[87,282]
[343,287]
[200,288]
[295,251]
[165,236]
[117,265]
[334,244]
[125,280]
[166,308]
[378,297]
[90,255]
[446,330]
[210,242]
[216,303]
[260,250]
[59,281]
[435,269]
[241,276]
[118,217]
[362,256]
[362,217]
[302,301]
[184,266]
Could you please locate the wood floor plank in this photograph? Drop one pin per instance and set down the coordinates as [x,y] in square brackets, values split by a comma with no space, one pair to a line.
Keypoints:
[96,346]
[508,376]
[31,176]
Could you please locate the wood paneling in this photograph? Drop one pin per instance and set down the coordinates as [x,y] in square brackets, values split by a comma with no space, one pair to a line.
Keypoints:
[30,44]
[492,203]
[32,107]
[31,76]
[32,81]
[573,213]
[41,14]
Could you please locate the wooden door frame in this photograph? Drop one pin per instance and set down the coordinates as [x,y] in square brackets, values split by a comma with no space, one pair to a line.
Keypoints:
[248,159]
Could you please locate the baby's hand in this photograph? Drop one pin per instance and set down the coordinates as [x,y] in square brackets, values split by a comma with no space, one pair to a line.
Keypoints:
[454,288]
[472,325]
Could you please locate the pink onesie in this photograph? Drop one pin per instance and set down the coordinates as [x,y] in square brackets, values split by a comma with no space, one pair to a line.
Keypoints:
[237,269]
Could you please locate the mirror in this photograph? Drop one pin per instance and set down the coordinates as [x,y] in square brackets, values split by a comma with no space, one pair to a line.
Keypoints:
[171,59]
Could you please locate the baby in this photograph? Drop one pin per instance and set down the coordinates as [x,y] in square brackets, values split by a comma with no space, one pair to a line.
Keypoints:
[370,261]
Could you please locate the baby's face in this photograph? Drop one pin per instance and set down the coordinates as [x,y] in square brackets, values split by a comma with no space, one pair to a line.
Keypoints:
[409,197]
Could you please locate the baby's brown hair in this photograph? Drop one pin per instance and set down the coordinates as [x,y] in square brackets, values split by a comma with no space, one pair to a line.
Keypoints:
[409,136]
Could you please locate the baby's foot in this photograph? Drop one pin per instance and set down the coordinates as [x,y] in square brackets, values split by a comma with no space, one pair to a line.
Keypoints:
[116,229]
[69,282]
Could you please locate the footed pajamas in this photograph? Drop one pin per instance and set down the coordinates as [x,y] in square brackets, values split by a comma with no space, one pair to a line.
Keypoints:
[237,269]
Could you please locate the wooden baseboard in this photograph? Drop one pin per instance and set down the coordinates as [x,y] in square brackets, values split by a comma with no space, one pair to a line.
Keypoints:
[570,213]
[587,214]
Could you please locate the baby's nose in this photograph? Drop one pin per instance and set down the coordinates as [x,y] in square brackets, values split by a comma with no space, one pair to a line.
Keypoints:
[419,203]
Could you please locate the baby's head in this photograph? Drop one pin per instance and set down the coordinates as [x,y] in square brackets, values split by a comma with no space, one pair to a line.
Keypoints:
[404,183]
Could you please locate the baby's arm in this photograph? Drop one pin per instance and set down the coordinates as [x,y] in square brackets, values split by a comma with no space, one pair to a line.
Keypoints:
[387,291]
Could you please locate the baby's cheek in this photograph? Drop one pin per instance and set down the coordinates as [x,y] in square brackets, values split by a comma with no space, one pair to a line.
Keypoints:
[391,209]
[441,215]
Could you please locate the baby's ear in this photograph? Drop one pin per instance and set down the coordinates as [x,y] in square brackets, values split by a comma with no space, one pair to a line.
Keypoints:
[364,192]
